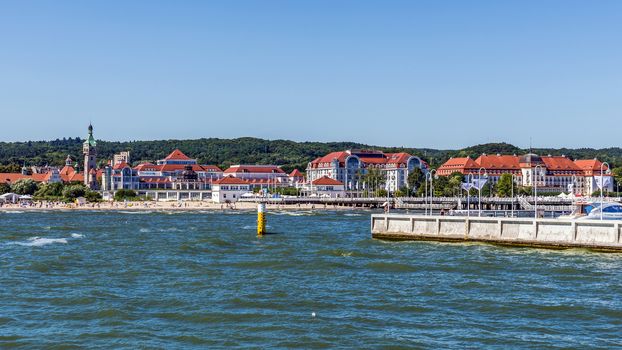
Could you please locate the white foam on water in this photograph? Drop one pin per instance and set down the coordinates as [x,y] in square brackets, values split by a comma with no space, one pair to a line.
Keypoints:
[40,242]
[76,235]
[350,214]
[144,230]
[138,211]
[14,211]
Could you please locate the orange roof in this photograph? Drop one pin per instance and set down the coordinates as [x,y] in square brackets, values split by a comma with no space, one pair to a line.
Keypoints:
[325,180]
[121,165]
[295,173]
[459,164]
[401,157]
[67,170]
[177,155]
[340,156]
[230,180]
[560,163]
[254,169]
[147,167]
[503,162]
[12,177]
[589,164]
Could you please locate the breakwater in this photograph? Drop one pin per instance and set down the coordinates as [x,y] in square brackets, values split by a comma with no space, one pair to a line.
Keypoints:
[545,233]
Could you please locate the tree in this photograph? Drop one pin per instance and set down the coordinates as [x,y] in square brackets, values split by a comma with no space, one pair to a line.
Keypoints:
[374,181]
[50,190]
[415,178]
[617,175]
[72,192]
[5,188]
[93,196]
[24,186]
[504,186]
[454,184]
[122,195]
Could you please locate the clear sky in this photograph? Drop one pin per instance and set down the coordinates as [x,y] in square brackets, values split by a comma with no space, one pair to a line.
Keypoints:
[441,74]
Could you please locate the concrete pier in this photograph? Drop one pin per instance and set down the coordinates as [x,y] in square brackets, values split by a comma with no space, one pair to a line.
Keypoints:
[545,233]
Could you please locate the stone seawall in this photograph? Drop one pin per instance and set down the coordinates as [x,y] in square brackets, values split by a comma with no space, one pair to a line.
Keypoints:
[547,233]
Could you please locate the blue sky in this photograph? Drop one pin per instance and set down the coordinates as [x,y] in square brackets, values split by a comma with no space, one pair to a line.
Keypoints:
[441,74]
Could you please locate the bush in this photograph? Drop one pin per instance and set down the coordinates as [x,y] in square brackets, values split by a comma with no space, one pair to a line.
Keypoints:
[50,190]
[93,196]
[72,192]
[122,195]
[24,186]
[5,188]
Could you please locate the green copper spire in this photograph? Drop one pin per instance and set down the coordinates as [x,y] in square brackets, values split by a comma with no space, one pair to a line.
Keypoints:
[91,139]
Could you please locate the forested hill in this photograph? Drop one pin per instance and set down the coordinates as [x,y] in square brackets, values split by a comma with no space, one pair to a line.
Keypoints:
[224,152]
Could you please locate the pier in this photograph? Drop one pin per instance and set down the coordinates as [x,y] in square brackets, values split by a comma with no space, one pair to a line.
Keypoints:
[544,233]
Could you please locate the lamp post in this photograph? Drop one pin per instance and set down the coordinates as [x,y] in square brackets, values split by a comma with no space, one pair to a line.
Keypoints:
[479,187]
[432,172]
[469,180]
[512,202]
[535,189]
[429,177]
[426,194]
[602,187]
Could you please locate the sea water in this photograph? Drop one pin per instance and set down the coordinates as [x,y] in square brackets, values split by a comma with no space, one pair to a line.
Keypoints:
[205,280]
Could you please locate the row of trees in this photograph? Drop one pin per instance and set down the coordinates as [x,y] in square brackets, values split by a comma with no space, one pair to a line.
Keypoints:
[248,150]
[57,191]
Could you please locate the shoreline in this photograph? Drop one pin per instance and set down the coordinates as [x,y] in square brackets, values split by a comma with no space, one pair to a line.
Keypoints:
[166,206]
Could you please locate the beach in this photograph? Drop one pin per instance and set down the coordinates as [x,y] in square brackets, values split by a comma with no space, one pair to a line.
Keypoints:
[151,205]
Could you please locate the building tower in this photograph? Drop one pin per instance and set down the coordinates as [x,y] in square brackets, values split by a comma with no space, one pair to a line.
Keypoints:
[89,149]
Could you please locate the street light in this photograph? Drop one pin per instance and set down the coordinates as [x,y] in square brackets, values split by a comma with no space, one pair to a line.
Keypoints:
[535,189]
[479,187]
[512,202]
[468,189]
[602,187]
[432,172]
[429,177]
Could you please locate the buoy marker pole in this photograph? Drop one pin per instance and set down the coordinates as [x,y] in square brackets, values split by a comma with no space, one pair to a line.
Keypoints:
[261,219]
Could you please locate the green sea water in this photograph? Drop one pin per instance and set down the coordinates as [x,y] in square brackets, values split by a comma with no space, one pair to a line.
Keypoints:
[171,280]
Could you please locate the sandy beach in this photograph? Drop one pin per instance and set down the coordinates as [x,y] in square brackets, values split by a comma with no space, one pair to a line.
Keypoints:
[167,206]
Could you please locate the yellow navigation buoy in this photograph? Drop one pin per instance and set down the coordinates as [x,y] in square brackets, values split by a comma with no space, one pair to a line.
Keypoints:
[261,219]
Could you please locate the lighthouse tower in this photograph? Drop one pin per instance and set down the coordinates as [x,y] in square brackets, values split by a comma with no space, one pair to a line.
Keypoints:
[89,149]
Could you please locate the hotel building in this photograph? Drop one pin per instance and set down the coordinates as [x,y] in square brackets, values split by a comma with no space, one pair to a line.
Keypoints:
[349,167]
[549,173]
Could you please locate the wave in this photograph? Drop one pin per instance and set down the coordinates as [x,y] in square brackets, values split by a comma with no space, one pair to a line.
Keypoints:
[76,235]
[40,242]
[14,211]
[350,214]
[135,212]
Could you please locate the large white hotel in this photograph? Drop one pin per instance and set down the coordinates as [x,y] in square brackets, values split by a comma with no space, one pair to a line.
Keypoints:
[350,167]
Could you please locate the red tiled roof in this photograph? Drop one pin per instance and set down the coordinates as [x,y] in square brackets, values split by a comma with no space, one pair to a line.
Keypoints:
[325,180]
[177,155]
[589,164]
[230,180]
[295,173]
[254,169]
[12,177]
[340,156]
[503,162]
[560,163]
[147,167]
[120,165]
[67,170]
[457,165]
[397,158]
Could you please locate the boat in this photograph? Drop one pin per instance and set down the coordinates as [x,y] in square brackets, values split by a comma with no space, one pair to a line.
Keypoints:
[592,211]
